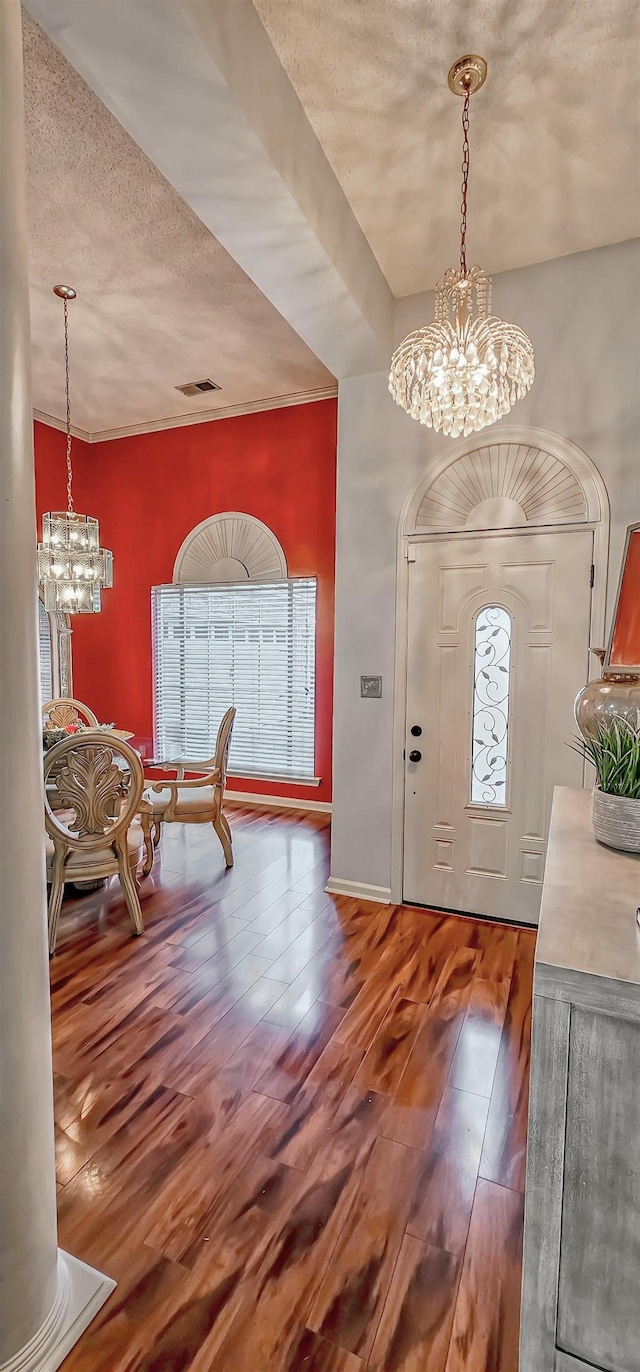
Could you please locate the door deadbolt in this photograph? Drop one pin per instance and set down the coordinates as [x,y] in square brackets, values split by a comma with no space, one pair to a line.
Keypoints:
[414,755]
[416,730]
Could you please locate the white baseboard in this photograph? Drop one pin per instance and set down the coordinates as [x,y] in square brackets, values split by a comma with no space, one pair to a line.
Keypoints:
[337,887]
[81,1293]
[278,803]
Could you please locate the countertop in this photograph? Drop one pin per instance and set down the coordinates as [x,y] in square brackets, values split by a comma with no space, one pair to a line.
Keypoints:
[589,901]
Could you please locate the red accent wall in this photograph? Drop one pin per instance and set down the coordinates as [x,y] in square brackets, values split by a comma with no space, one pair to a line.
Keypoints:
[149,491]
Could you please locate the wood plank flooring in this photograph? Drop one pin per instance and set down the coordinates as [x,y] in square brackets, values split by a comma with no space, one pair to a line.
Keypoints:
[291,1125]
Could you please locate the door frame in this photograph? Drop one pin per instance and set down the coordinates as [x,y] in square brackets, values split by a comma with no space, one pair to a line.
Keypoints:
[594,490]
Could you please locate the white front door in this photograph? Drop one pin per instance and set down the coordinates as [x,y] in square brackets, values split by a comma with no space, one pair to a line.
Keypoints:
[497,651]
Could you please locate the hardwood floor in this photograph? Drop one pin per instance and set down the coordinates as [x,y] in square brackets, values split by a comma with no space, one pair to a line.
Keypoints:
[291,1125]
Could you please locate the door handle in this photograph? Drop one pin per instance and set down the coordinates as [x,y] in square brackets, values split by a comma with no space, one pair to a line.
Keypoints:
[414,755]
[416,730]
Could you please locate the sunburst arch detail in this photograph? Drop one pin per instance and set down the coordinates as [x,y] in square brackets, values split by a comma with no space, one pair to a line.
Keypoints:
[230,547]
[511,483]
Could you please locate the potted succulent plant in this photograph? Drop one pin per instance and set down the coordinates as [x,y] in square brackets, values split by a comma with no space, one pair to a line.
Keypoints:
[613,746]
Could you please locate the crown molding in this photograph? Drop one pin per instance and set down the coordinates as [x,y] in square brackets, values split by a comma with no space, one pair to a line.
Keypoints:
[54,423]
[276,402]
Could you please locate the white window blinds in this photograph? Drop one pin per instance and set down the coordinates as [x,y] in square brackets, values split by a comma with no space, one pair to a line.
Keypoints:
[251,645]
[46,667]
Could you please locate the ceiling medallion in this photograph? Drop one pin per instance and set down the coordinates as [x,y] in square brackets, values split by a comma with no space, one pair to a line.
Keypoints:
[72,567]
[466,369]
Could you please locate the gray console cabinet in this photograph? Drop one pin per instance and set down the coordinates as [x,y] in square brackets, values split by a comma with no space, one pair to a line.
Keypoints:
[581,1273]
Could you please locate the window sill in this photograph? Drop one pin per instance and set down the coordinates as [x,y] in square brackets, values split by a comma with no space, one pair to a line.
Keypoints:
[282,778]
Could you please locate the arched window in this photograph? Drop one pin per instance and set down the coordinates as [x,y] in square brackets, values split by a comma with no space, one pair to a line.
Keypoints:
[234,629]
[230,547]
[491,679]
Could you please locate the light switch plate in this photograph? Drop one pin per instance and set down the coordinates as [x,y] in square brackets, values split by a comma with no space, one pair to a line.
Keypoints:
[371,687]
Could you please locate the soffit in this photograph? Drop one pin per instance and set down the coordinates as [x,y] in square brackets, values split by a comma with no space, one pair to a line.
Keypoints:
[160,301]
[554,133]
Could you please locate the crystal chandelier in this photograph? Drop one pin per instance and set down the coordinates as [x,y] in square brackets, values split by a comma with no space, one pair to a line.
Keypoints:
[466,369]
[72,567]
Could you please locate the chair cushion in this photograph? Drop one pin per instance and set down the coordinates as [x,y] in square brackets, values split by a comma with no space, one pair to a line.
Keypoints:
[84,862]
[191,800]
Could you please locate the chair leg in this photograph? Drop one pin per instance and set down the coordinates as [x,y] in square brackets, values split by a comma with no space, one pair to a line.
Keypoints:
[55,897]
[129,888]
[156,832]
[147,824]
[227,828]
[221,826]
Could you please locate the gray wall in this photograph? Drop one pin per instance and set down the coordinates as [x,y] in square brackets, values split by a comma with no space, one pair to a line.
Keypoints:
[582,314]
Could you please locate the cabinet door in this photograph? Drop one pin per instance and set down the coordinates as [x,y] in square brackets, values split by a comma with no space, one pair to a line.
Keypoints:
[599,1290]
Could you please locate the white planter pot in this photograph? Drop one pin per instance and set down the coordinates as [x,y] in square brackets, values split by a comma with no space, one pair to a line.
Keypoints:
[616,821]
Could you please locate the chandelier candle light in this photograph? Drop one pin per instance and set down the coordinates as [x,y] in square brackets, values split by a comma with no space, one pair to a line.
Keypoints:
[72,567]
[466,369]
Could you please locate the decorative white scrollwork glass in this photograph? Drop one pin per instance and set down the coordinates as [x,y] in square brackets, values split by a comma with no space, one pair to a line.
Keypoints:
[491,672]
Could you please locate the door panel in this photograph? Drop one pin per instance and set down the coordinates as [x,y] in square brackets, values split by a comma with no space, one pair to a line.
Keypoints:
[488,858]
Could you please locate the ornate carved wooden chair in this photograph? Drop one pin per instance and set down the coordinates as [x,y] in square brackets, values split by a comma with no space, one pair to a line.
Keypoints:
[57,714]
[99,780]
[199,799]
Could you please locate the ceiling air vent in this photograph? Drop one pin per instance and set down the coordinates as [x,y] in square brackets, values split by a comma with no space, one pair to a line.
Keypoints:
[198,387]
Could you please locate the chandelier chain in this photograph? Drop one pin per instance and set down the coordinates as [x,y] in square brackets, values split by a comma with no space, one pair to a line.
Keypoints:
[465,183]
[66,382]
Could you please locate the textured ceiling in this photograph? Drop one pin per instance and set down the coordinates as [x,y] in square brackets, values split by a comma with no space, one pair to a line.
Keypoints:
[160,302]
[555,163]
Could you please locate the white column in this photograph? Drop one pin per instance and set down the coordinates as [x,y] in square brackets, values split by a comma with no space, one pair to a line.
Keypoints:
[45,1299]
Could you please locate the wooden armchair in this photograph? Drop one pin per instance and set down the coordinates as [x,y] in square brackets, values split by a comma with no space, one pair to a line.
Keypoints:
[199,799]
[57,714]
[98,779]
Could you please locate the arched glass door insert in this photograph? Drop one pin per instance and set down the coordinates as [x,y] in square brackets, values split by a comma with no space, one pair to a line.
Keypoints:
[491,680]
